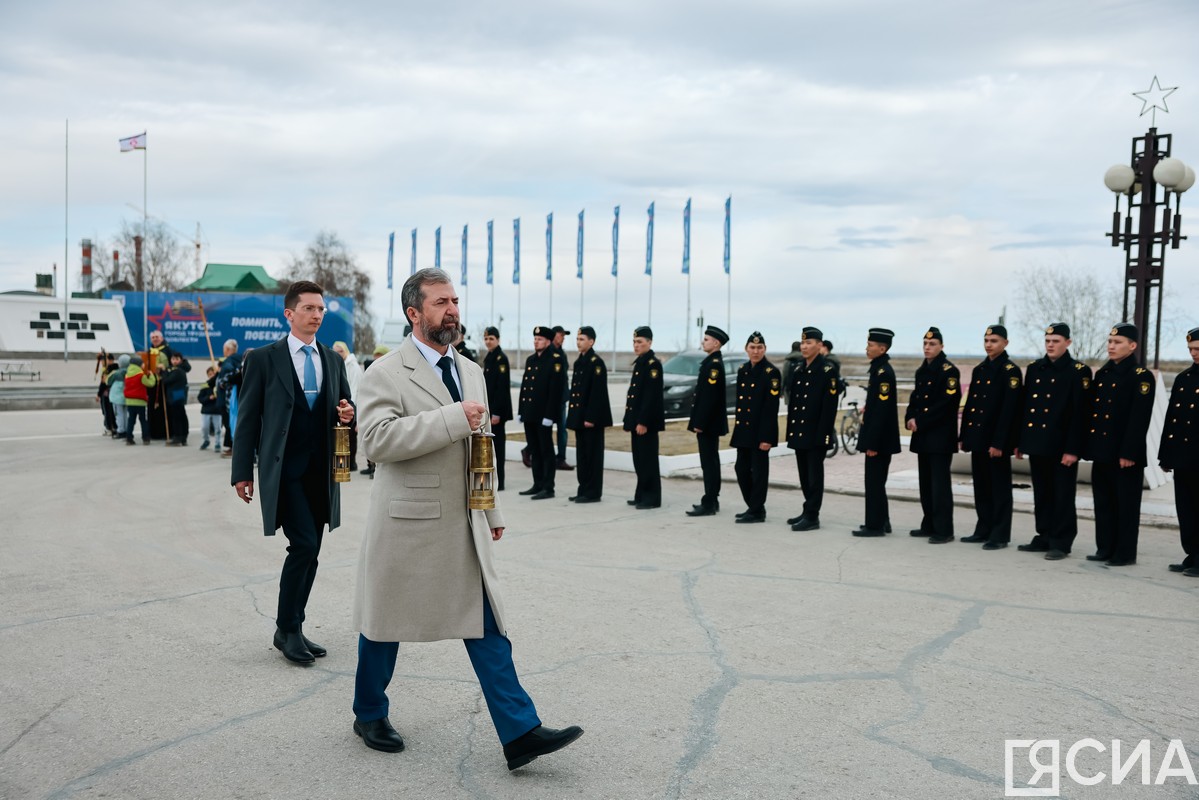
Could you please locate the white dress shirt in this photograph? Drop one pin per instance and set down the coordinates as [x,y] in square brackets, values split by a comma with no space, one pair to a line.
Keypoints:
[298,358]
[432,356]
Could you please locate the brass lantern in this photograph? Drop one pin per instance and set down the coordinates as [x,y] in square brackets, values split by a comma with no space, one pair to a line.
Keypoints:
[341,454]
[482,472]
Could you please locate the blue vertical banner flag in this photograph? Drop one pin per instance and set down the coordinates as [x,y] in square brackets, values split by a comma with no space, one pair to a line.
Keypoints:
[728,211]
[413,267]
[516,250]
[687,238]
[490,250]
[549,246]
[464,227]
[437,247]
[579,248]
[649,241]
[391,247]
[615,239]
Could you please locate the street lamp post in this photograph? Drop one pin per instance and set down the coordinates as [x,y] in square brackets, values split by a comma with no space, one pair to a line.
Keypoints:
[1148,181]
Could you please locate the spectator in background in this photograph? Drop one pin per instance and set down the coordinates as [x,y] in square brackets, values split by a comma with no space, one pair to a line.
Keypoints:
[558,340]
[228,376]
[792,360]
[210,413]
[116,396]
[137,382]
[353,376]
[174,389]
[102,392]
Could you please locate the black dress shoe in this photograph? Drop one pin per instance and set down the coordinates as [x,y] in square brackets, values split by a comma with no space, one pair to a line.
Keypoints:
[940,539]
[1054,555]
[367,471]
[647,506]
[539,742]
[314,648]
[973,538]
[292,646]
[700,511]
[544,494]
[1120,562]
[378,734]
[1179,567]
[994,545]
[562,465]
[531,490]
[795,520]
[750,518]
[573,498]
[806,524]
[868,532]
[1033,547]
[582,500]
[919,532]
[632,502]
[745,513]
[1098,557]
[1192,572]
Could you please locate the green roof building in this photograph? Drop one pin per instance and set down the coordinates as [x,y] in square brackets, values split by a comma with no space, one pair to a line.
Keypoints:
[234,278]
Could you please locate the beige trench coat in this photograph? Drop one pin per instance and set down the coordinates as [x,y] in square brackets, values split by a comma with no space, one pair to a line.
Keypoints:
[425,558]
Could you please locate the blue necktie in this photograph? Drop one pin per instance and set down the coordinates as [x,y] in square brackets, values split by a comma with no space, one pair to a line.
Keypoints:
[311,390]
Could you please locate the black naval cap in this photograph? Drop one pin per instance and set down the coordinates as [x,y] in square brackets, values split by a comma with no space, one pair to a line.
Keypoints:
[1127,330]
[644,331]
[934,333]
[491,330]
[544,331]
[756,338]
[1058,329]
[561,330]
[1193,335]
[587,331]
[812,333]
[717,334]
[996,330]
[881,335]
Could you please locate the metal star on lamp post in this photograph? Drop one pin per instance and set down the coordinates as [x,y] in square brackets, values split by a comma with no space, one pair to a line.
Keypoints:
[1148,182]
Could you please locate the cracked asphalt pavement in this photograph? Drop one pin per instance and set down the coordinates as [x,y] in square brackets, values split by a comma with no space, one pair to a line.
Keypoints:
[704,659]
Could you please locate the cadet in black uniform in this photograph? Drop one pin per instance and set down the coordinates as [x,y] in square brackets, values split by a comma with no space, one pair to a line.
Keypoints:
[589,414]
[756,426]
[710,420]
[989,435]
[644,417]
[1179,451]
[1056,396]
[496,376]
[811,411]
[932,417]
[1121,406]
[878,437]
[540,395]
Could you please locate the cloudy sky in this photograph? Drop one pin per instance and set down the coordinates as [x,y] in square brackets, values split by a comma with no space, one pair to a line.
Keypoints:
[895,164]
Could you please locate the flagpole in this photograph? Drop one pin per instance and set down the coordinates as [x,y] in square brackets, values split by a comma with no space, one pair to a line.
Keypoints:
[66,243]
[145,249]
[615,302]
[687,325]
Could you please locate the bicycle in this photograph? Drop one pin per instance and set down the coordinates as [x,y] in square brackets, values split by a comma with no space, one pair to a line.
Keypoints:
[851,424]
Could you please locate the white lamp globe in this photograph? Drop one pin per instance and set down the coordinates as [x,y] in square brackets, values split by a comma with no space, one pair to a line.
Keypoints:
[1119,178]
[1187,182]
[1169,172]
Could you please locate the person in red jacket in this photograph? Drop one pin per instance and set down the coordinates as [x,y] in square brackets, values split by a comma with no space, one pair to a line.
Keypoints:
[137,384]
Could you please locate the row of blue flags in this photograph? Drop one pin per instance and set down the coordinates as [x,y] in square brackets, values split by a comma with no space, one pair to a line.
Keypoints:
[549,245]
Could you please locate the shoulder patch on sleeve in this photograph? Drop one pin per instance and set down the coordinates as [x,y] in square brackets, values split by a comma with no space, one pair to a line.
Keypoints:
[947,366]
[827,367]
[1079,365]
[1010,365]
[1140,370]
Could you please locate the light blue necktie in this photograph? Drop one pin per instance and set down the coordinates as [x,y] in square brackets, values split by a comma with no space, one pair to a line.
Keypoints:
[310,388]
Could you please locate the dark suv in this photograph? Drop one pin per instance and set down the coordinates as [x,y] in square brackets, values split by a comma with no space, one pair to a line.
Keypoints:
[680,373]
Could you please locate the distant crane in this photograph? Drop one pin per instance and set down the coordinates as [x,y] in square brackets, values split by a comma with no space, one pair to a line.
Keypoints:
[198,241]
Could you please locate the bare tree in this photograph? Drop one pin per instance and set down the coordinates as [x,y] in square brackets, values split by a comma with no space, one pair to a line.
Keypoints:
[164,263]
[1059,294]
[331,264]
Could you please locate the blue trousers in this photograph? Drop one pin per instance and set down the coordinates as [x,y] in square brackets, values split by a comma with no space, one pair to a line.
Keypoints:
[511,708]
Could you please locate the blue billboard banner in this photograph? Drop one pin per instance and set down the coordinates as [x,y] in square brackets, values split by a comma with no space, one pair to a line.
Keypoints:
[252,320]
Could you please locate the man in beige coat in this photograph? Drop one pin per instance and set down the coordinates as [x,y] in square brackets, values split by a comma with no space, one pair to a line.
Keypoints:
[425,570]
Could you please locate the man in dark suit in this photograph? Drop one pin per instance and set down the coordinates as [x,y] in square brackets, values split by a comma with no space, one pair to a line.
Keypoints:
[710,419]
[1121,405]
[1052,429]
[932,417]
[755,427]
[588,415]
[811,411]
[497,375]
[541,391]
[878,437]
[292,392]
[644,418]
[989,435]
[1179,454]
